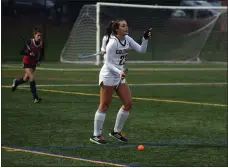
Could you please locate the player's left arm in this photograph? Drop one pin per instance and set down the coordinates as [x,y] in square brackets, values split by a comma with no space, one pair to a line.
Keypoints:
[140,48]
[41,55]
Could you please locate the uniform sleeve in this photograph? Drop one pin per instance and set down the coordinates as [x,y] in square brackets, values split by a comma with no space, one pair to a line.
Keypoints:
[24,50]
[110,53]
[135,46]
[104,40]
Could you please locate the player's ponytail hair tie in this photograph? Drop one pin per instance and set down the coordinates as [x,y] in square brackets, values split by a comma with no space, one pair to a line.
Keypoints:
[109,28]
[115,26]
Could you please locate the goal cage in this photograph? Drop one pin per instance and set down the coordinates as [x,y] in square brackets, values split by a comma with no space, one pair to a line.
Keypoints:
[180,34]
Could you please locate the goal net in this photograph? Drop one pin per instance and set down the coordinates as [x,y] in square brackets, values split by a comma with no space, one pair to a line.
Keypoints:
[179,35]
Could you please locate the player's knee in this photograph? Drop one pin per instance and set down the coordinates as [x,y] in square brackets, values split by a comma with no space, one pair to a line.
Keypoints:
[31,77]
[25,79]
[127,105]
[104,106]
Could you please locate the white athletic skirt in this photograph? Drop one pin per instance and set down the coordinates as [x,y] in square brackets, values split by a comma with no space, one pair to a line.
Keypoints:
[110,81]
[108,78]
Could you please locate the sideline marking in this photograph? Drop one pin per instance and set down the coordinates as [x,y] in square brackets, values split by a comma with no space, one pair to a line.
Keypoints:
[133,84]
[132,69]
[64,157]
[134,98]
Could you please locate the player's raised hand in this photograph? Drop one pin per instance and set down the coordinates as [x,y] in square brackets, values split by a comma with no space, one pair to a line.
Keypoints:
[147,34]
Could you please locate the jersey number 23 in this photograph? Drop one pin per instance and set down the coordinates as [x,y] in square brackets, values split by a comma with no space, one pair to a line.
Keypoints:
[122,59]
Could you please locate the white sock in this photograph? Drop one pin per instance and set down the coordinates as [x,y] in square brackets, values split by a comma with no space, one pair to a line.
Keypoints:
[98,123]
[121,117]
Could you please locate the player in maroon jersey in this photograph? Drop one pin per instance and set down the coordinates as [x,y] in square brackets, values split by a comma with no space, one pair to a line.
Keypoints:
[33,52]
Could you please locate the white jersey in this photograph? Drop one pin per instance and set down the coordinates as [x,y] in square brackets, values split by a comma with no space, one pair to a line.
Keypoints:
[115,57]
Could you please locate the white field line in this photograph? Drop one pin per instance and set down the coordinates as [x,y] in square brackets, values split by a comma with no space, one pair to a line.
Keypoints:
[134,85]
[131,69]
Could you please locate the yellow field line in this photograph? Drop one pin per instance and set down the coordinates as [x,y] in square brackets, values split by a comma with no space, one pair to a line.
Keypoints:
[134,98]
[64,157]
[12,69]
[182,102]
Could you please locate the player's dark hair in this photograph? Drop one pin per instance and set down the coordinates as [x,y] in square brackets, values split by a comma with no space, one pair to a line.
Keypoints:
[116,25]
[36,30]
[109,30]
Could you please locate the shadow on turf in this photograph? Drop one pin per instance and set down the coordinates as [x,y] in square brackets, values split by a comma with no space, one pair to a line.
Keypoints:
[193,144]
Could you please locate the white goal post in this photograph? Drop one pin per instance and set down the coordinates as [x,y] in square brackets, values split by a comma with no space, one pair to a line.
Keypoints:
[181,34]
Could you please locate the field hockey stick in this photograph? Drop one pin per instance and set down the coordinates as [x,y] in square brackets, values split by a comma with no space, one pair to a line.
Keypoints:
[27,46]
[88,56]
[125,71]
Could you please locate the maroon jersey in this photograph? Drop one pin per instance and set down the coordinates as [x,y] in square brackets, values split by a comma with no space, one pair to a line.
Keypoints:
[35,47]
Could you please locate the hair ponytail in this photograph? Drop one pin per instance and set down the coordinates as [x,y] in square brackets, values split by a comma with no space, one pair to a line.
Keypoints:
[109,31]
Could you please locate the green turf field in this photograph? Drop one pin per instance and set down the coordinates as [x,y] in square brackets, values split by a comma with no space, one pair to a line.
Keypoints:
[179,115]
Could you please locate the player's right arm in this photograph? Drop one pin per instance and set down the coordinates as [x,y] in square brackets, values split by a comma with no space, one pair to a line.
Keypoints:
[24,50]
[110,56]
[103,46]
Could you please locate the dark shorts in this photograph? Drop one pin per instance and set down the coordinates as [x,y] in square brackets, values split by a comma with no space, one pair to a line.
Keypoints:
[29,66]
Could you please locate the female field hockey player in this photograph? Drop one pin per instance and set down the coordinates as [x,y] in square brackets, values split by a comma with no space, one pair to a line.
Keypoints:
[110,76]
[33,52]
